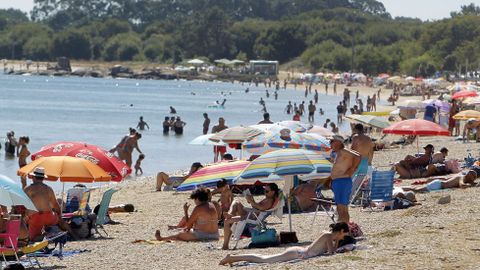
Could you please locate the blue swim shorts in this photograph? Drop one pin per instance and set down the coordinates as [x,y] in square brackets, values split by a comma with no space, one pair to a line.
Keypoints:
[434,185]
[342,189]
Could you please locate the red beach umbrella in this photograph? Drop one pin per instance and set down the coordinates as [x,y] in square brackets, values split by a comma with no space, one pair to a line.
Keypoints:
[464,94]
[417,127]
[116,168]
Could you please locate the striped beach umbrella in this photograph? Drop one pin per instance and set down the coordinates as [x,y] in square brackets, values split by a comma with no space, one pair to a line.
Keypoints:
[369,120]
[286,140]
[285,162]
[209,176]
[236,134]
[295,126]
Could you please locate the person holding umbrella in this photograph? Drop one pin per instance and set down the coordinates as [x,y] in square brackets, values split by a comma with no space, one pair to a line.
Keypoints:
[344,166]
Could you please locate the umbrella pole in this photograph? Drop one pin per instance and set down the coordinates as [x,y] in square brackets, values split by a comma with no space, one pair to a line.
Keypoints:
[418,148]
[63,195]
[289,214]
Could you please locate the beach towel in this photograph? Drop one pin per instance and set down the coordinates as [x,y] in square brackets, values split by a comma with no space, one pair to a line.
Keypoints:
[55,253]
[151,242]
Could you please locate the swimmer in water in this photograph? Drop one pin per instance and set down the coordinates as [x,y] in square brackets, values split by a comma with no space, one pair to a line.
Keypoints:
[172,110]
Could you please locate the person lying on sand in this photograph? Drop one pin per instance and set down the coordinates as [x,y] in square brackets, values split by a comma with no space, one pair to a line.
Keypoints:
[237,211]
[203,220]
[325,244]
[174,181]
[457,181]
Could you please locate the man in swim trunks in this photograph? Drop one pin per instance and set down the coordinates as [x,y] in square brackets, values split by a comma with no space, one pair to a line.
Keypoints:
[311,111]
[457,181]
[362,144]
[219,150]
[44,200]
[345,164]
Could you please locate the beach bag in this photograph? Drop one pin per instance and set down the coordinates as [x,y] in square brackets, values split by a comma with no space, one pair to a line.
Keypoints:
[264,238]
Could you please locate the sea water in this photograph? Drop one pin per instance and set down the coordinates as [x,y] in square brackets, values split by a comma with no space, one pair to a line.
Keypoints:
[99,111]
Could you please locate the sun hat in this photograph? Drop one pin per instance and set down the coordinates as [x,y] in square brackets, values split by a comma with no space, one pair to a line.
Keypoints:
[38,172]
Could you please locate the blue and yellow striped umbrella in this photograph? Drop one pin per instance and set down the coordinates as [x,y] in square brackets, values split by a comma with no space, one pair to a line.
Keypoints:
[272,141]
[285,162]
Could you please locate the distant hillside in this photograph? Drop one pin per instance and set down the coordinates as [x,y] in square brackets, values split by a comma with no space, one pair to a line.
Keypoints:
[339,35]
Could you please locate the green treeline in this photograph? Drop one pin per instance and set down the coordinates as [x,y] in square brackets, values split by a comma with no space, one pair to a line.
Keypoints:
[336,35]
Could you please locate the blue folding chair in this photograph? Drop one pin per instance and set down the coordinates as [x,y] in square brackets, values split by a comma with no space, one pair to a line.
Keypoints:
[103,210]
[380,187]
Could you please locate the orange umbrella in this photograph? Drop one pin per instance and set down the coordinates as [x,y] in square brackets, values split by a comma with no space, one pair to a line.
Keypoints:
[67,169]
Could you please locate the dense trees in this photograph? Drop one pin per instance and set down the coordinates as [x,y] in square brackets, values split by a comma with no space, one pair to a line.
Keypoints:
[336,35]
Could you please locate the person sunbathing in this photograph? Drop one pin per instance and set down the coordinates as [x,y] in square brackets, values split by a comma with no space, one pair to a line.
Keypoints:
[325,244]
[174,181]
[457,181]
[237,210]
[203,220]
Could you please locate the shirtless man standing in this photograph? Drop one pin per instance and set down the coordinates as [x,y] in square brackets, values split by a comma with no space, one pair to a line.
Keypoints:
[141,124]
[44,200]
[457,181]
[206,123]
[311,111]
[345,164]
[219,150]
[362,144]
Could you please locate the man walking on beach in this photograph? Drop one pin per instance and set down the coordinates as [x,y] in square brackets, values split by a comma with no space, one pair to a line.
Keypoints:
[315,96]
[311,111]
[141,124]
[219,150]
[345,164]
[206,123]
[362,144]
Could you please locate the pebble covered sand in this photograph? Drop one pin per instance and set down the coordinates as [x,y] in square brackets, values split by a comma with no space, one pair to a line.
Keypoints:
[429,236]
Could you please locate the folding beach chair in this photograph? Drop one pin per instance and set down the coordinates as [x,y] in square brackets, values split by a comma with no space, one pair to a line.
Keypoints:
[357,189]
[10,240]
[380,187]
[258,220]
[103,210]
[29,252]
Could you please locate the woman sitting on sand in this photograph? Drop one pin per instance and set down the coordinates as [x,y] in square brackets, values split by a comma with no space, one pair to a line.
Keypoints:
[174,181]
[203,220]
[327,243]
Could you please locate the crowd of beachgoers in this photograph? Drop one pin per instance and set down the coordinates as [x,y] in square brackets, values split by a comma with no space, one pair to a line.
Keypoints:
[332,214]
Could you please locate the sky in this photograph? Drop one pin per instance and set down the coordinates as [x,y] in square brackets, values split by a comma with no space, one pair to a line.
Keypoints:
[423,9]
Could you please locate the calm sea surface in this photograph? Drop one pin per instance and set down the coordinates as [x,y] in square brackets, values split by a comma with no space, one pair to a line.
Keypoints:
[99,111]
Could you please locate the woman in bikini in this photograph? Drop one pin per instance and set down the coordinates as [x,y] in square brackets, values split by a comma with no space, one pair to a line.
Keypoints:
[22,151]
[327,243]
[203,220]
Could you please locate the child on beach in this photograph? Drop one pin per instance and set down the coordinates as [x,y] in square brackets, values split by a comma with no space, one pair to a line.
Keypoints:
[327,243]
[226,197]
[138,163]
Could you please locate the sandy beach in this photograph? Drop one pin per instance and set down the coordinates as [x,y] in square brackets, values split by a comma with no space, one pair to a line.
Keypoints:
[429,236]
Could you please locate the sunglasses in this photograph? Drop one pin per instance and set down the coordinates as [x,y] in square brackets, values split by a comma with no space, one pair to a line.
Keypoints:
[267,190]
